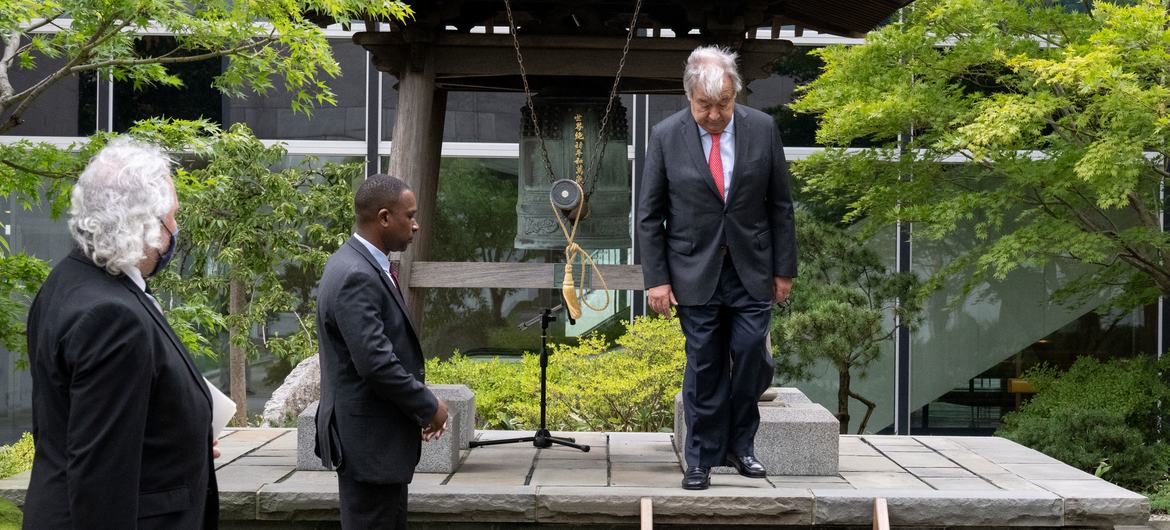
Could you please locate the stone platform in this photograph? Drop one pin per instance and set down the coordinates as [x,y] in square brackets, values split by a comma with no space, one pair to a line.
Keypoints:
[928,482]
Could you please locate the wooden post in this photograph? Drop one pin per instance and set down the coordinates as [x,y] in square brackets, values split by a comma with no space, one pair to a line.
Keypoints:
[647,509]
[414,156]
[881,515]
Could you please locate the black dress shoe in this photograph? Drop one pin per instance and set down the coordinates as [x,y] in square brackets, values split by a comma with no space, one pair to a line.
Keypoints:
[747,466]
[696,478]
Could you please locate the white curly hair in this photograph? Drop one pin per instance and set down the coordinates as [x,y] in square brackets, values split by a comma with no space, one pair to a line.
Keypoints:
[118,203]
[705,69]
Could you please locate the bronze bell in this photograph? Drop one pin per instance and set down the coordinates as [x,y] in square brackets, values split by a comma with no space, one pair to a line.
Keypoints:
[569,125]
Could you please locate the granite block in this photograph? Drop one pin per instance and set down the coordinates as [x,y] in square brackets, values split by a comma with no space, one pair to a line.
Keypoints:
[796,436]
[438,456]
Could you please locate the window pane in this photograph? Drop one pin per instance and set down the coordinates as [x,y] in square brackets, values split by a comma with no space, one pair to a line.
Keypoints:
[271,115]
[55,111]
[193,100]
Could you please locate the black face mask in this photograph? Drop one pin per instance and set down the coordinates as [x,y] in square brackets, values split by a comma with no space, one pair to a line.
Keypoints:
[165,257]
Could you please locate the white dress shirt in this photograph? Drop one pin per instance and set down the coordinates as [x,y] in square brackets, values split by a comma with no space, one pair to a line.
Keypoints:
[726,151]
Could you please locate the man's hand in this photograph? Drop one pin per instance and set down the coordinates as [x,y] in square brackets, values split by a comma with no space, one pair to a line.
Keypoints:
[661,298]
[214,449]
[781,286]
[438,424]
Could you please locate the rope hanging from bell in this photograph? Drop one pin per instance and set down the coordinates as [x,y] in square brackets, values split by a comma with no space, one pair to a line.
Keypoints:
[567,196]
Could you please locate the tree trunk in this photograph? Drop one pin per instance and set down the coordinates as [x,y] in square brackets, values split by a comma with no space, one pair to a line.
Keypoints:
[843,399]
[237,363]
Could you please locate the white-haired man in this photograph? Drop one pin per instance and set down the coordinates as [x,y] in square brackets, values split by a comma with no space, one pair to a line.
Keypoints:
[715,227]
[121,416]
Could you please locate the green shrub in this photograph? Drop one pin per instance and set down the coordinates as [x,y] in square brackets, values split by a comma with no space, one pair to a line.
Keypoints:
[1160,497]
[1099,417]
[592,386]
[16,458]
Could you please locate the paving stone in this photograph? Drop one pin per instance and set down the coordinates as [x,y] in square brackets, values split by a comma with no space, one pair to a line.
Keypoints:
[238,485]
[867,463]
[428,479]
[1132,509]
[617,505]
[503,466]
[285,442]
[595,440]
[883,480]
[266,461]
[305,495]
[738,481]
[939,443]
[1036,472]
[1010,481]
[941,472]
[480,503]
[815,479]
[974,463]
[947,483]
[935,509]
[570,473]
[1098,502]
[915,459]
[253,435]
[653,475]
[599,452]
[616,438]
[856,448]
[884,440]
[642,452]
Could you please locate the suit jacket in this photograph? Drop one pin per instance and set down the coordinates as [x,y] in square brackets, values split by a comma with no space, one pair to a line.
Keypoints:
[684,226]
[121,416]
[373,397]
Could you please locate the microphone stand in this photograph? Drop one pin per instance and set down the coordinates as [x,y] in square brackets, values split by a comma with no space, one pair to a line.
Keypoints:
[542,438]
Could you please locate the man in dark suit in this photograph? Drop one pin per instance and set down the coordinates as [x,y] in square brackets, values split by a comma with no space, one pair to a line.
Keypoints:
[715,227]
[121,416]
[375,409]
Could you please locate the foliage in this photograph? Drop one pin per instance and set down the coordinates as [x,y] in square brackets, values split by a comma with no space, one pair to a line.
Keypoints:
[1057,110]
[840,313]
[262,38]
[242,220]
[1099,412]
[1160,497]
[20,277]
[591,385]
[17,457]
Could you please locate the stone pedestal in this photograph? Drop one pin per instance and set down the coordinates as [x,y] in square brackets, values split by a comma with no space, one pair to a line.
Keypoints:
[796,436]
[439,456]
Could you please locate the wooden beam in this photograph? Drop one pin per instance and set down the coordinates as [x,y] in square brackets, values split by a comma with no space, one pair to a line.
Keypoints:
[428,274]
[647,509]
[458,54]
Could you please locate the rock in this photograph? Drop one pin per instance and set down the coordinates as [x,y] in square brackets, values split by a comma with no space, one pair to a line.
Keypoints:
[300,388]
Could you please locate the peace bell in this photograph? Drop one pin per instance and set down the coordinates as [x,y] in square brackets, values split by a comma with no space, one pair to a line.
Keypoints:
[569,127]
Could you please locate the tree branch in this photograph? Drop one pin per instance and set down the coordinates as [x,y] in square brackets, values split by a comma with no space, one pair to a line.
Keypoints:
[164,59]
[46,174]
[11,43]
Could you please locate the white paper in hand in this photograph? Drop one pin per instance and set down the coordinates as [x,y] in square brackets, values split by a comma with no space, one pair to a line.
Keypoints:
[222,409]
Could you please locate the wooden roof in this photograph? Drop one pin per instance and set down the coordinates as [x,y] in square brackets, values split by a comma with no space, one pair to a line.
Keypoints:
[580,41]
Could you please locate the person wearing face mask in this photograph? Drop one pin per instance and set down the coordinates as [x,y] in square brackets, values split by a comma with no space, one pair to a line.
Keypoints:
[121,416]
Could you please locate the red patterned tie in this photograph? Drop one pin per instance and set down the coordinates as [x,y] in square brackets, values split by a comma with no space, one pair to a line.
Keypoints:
[715,162]
[394,276]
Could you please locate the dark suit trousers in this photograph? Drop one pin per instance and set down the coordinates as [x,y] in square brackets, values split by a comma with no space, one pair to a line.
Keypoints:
[728,368]
[366,506]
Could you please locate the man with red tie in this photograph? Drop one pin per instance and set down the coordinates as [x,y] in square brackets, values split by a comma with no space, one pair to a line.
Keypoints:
[718,240]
